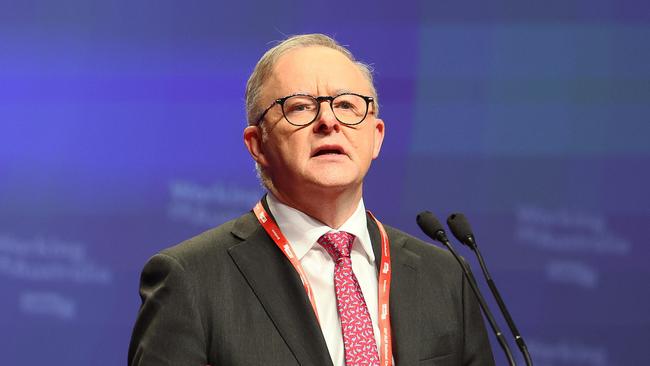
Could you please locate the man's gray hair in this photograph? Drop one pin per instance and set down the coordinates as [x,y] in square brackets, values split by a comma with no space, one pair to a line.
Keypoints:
[264,69]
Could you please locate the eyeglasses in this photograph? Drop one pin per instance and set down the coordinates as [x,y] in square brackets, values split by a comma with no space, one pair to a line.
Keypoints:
[303,109]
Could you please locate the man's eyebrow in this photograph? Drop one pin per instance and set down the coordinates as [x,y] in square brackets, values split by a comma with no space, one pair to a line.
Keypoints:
[341,91]
[335,93]
[301,91]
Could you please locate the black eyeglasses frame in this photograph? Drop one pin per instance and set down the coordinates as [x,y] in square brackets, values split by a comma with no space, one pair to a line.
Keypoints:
[319,100]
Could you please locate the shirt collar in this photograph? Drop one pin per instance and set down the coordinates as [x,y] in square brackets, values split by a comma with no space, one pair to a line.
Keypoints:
[302,231]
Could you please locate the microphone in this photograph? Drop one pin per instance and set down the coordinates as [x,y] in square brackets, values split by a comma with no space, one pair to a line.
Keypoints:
[432,227]
[463,232]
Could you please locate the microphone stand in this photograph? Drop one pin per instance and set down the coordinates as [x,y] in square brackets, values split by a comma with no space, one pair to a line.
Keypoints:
[461,229]
[432,228]
[502,306]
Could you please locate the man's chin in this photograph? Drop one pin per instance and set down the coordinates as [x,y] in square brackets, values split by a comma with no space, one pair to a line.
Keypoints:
[334,182]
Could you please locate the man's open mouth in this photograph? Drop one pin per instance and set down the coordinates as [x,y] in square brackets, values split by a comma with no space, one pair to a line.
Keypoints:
[329,150]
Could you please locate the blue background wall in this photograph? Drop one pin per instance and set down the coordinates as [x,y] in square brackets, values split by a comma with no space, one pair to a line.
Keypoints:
[120,135]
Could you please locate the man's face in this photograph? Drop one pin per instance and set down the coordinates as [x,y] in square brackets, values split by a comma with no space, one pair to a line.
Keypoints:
[326,153]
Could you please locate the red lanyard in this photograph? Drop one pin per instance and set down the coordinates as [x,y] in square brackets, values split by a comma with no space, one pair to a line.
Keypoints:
[383,288]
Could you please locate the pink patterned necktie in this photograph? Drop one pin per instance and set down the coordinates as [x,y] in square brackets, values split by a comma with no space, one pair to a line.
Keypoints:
[358,337]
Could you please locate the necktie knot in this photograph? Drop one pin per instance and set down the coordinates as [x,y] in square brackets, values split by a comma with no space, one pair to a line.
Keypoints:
[337,244]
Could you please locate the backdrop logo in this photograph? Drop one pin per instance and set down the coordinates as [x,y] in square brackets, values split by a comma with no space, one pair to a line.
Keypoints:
[570,238]
[49,260]
[52,261]
[48,303]
[209,205]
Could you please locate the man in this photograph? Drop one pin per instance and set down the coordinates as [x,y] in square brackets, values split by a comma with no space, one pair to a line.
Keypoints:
[308,278]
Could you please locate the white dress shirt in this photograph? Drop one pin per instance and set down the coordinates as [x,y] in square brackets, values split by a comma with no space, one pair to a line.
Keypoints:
[302,232]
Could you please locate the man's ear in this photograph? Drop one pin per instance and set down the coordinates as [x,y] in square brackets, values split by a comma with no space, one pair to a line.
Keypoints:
[378,137]
[253,142]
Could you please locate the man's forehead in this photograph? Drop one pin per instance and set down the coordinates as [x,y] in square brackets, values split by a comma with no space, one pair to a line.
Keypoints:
[311,69]
[312,57]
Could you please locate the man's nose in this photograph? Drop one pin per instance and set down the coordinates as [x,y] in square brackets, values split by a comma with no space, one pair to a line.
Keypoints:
[326,120]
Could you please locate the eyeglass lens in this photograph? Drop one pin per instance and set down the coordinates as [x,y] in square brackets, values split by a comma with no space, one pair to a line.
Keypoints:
[303,109]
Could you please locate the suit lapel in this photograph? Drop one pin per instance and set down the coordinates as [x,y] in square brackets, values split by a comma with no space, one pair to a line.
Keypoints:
[278,288]
[403,294]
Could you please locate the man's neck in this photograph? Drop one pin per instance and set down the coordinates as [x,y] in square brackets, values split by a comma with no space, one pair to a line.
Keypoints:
[330,207]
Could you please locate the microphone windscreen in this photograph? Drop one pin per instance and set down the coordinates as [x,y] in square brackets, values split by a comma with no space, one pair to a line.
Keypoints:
[460,227]
[429,224]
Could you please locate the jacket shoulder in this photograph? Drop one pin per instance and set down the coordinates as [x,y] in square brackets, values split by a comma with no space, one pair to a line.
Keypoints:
[430,254]
[210,246]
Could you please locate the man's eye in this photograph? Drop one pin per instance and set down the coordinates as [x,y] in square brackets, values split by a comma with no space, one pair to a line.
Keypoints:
[300,107]
[344,105]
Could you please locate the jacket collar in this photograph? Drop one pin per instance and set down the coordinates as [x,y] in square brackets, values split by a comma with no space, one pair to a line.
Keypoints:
[279,290]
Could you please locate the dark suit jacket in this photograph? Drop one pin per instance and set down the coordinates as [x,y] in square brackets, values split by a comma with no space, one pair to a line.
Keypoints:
[230,297]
